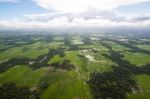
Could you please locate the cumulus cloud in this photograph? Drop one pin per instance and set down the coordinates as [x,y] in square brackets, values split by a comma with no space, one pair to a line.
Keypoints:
[64,22]
[91,14]
[90,19]
[142,18]
[83,5]
[79,14]
[47,16]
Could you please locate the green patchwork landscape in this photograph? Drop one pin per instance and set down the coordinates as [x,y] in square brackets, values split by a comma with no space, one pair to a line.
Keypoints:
[74,66]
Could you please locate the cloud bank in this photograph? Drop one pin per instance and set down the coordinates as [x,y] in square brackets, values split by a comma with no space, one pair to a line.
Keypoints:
[83,5]
[78,14]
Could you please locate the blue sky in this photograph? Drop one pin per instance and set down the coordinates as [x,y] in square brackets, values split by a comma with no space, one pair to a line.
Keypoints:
[11,10]
[74,13]
[139,8]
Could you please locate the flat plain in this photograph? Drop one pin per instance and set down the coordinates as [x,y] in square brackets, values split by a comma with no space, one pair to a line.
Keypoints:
[60,65]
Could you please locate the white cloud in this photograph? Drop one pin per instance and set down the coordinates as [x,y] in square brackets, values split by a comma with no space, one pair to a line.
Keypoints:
[91,14]
[83,5]
[79,14]
[47,16]
[64,22]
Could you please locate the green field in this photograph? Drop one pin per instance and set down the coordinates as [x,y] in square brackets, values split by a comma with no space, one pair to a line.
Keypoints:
[138,59]
[144,83]
[85,54]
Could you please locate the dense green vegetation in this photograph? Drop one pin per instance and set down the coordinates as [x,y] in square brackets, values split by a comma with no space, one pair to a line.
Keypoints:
[73,66]
[11,91]
[114,84]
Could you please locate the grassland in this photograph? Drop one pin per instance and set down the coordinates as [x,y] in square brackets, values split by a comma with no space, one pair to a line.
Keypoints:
[144,83]
[138,59]
[68,84]
[23,75]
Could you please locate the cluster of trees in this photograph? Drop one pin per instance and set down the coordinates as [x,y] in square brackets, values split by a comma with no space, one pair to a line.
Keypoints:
[42,86]
[74,47]
[64,65]
[11,91]
[113,85]
[119,82]
[117,58]
[37,63]
[67,42]
[134,48]
[12,62]
[43,59]
[87,41]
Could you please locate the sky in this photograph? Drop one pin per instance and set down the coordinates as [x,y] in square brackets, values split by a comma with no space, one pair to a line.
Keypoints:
[74,14]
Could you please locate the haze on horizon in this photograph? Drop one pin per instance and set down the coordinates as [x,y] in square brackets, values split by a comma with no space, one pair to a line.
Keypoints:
[76,15]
